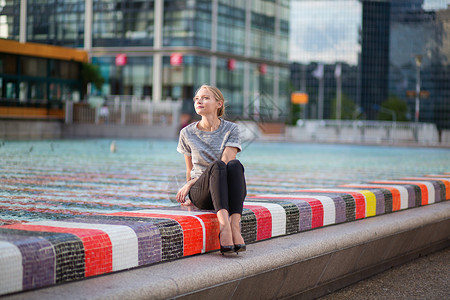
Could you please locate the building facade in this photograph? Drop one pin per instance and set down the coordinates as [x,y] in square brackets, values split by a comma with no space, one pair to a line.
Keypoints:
[391,35]
[166,49]
[39,75]
[417,32]
[374,55]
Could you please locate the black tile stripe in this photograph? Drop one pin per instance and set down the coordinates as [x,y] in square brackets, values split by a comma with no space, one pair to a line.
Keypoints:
[248,226]
[69,252]
[291,210]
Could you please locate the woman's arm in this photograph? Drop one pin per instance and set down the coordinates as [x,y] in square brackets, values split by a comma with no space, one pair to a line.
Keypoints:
[188,161]
[184,191]
[229,153]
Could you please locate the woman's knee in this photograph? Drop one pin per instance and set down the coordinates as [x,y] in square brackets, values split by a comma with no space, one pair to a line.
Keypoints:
[235,165]
[218,166]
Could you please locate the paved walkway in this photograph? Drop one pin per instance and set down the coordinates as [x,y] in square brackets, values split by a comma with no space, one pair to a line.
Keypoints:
[424,278]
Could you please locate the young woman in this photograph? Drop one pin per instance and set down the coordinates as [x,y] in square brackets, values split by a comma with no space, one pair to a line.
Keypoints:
[215,179]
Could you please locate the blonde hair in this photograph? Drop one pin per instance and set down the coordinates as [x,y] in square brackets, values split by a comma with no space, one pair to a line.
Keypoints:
[218,96]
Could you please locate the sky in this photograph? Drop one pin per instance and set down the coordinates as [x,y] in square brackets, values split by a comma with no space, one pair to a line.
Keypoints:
[327,30]
[435,4]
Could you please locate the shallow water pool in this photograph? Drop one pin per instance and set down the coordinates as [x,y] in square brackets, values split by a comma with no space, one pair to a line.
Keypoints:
[60,179]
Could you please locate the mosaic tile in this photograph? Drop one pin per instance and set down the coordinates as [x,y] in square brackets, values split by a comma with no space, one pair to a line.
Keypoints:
[171,239]
[248,226]
[414,191]
[38,259]
[383,197]
[147,233]
[334,207]
[290,210]
[400,194]
[72,247]
[277,216]
[193,227]
[445,182]
[263,221]
[69,252]
[123,240]
[438,185]
[97,246]
[11,269]
[347,199]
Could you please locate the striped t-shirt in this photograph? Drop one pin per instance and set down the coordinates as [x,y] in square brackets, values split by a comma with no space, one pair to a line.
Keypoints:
[206,147]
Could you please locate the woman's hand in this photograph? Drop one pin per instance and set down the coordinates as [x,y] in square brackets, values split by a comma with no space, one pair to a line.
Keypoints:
[187,202]
[183,192]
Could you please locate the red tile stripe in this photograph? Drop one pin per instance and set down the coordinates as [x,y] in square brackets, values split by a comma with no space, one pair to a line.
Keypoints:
[97,246]
[212,231]
[360,202]
[331,210]
[394,191]
[445,181]
[423,187]
[263,221]
[317,212]
[192,229]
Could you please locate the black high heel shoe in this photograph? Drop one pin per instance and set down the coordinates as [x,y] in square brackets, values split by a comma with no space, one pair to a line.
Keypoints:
[240,248]
[225,249]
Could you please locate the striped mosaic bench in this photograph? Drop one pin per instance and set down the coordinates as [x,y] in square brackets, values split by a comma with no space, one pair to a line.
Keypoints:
[39,254]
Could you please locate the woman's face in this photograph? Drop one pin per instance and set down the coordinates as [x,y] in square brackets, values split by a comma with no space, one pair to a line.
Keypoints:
[205,103]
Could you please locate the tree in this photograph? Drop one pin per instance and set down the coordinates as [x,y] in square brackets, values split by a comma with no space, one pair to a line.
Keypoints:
[295,113]
[91,74]
[396,105]
[349,110]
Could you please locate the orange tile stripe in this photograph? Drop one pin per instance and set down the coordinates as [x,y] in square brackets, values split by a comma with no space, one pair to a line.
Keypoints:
[192,229]
[423,188]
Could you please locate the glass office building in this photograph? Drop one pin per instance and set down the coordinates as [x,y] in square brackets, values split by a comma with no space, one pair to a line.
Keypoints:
[166,49]
[376,44]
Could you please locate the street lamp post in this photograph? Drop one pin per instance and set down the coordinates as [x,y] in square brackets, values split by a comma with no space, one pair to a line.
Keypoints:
[418,59]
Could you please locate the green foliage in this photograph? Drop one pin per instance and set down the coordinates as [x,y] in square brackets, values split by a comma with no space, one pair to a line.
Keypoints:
[349,110]
[395,104]
[91,74]
[296,113]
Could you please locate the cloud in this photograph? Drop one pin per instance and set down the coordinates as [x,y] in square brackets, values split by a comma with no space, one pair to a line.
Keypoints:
[325,31]
[435,4]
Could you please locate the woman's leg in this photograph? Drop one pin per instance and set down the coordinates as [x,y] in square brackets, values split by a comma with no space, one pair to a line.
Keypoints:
[226,235]
[235,223]
[209,192]
[237,190]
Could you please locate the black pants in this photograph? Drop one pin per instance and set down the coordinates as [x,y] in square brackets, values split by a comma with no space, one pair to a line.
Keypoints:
[221,186]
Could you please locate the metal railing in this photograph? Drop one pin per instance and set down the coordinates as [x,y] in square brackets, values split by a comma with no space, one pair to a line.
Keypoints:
[365,132]
[118,111]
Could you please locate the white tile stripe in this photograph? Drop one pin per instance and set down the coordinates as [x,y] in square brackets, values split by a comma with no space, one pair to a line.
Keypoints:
[402,190]
[278,217]
[429,185]
[204,233]
[123,239]
[442,179]
[353,191]
[171,212]
[11,269]
[329,209]
[193,214]
[431,190]
[433,179]
[343,190]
